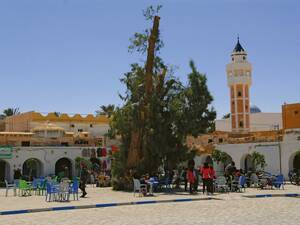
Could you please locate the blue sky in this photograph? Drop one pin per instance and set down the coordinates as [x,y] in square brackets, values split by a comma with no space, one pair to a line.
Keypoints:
[68,55]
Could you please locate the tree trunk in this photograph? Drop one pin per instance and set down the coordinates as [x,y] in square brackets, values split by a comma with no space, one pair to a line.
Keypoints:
[135,153]
[150,57]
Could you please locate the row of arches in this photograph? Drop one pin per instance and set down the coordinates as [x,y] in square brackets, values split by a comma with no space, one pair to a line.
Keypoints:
[247,164]
[35,168]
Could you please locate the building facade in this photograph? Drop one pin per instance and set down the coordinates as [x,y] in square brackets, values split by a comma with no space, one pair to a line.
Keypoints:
[52,142]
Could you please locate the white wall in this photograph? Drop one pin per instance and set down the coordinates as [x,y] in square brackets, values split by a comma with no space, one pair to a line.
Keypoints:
[258,122]
[289,147]
[48,156]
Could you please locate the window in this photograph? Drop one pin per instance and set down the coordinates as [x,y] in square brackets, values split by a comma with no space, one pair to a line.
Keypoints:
[239,94]
[244,57]
[25,143]
[232,59]
[91,125]
[210,140]
[81,142]
[86,153]
[80,130]
[296,112]
[246,107]
[232,102]
[72,125]
[220,140]
[64,144]
[241,124]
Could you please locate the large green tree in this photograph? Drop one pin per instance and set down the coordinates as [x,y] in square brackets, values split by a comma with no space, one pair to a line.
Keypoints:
[159,111]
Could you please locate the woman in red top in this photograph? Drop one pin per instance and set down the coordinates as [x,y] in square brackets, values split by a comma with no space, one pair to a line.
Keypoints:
[191,179]
[206,176]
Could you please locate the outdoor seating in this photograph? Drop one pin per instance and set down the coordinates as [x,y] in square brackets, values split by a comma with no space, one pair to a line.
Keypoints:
[153,183]
[51,192]
[25,188]
[166,183]
[74,189]
[42,186]
[278,182]
[141,188]
[241,184]
[10,187]
[63,191]
[254,180]
[221,184]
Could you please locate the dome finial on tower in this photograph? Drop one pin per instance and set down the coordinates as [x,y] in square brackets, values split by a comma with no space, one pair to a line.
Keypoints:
[238,47]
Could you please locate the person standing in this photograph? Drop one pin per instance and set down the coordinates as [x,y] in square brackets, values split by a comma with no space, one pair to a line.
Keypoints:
[83,179]
[211,179]
[206,176]
[191,179]
[184,178]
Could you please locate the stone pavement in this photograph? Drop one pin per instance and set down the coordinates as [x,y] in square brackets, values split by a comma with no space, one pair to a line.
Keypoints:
[234,209]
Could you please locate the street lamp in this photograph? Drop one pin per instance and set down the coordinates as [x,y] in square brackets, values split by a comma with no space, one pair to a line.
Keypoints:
[276,127]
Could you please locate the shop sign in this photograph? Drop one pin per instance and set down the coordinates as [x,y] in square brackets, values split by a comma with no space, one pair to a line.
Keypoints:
[5,152]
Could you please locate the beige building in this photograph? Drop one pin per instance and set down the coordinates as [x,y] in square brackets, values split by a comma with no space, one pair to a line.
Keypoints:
[53,142]
[26,122]
[35,129]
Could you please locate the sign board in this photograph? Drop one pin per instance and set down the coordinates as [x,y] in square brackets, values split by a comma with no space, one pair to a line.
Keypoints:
[5,152]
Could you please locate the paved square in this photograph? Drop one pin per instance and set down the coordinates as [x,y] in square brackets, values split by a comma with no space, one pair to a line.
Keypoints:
[232,209]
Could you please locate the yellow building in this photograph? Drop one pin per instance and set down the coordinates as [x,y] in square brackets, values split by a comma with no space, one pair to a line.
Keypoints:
[25,122]
[291,116]
[35,129]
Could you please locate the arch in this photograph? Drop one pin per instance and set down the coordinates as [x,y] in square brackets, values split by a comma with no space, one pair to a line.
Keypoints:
[32,167]
[63,167]
[226,163]
[246,163]
[294,161]
[4,170]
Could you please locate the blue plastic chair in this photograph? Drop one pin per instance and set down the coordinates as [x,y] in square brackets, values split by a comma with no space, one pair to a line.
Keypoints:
[242,183]
[74,188]
[155,183]
[279,182]
[42,186]
[51,190]
[35,185]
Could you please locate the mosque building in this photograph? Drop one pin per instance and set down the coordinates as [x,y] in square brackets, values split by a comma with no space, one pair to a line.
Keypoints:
[248,129]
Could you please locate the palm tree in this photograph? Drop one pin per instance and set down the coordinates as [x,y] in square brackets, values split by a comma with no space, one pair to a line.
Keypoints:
[106,110]
[10,112]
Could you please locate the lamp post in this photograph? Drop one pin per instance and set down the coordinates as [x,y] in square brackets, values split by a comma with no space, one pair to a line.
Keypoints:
[279,147]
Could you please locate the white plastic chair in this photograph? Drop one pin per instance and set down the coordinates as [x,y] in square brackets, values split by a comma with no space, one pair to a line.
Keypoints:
[10,187]
[221,184]
[254,180]
[137,186]
[64,191]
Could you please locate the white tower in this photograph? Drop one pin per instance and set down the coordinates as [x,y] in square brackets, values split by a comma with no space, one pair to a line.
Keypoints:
[239,77]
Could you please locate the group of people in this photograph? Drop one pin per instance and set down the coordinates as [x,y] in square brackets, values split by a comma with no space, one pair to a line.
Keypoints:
[192,176]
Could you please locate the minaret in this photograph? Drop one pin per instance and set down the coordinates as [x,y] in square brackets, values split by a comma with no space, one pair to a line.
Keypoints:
[239,73]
